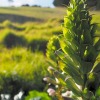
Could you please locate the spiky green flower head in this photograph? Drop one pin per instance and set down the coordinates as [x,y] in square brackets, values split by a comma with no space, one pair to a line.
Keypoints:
[78,34]
[79,52]
[77,21]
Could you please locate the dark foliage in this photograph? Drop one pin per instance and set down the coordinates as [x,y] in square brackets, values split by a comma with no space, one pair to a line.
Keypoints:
[12,40]
[98,5]
[13,84]
[61,2]
[26,5]
[10,84]
[90,3]
[38,45]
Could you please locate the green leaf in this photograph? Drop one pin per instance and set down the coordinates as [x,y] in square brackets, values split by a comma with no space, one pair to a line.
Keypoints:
[97,93]
[66,59]
[70,68]
[96,67]
[73,87]
[74,74]
[70,42]
[86,67]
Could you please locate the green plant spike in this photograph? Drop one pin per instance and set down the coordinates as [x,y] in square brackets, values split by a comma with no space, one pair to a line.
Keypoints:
[79,52]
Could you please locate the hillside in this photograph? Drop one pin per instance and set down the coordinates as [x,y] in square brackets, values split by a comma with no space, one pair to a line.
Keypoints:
[35,22]
[34,13]
[23,14]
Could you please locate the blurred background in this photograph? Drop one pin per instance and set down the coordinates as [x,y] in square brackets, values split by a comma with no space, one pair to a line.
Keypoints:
[25,29]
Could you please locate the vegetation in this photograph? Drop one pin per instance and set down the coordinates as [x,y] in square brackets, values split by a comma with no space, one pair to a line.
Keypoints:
[64,3]
[22,51]
[78,67]
[35,95]
[19,69]
[21,56]
[31,15]
[61,2]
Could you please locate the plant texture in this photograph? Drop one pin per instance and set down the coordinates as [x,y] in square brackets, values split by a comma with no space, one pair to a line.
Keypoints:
[78,67]
[35,95]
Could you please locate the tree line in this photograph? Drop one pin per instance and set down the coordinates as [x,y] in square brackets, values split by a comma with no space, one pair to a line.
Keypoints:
[63,3]
[91,3]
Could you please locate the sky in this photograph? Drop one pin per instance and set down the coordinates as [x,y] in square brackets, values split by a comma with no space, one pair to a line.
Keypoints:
[43,3]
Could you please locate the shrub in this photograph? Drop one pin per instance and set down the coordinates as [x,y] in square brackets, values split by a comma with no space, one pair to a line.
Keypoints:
[38,45]
[12,40]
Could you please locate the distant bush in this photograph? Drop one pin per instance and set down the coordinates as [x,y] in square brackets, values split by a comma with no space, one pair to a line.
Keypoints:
[26,5]
[35,95]
[36,6]
[12,40]
[38,45]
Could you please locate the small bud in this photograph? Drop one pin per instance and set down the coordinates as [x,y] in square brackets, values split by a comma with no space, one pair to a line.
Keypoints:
[51,69]
[51,92]
[50,80]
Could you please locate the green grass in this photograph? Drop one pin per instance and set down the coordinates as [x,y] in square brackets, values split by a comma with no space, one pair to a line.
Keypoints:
[24,68]
[32,30]
[21,61]
[35,12]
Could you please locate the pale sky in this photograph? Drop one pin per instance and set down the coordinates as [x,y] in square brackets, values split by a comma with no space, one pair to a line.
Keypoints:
[44,3]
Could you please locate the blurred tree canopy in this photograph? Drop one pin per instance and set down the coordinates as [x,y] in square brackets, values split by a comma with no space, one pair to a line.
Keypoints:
[92,3]
[98,4]
[63,3]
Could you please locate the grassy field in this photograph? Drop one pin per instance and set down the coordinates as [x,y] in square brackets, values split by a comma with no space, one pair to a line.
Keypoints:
[42,14]
[24,33]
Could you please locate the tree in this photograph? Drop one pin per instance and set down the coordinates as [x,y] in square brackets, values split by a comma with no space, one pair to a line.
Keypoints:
[98,5]
[90,3]
[61,2]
